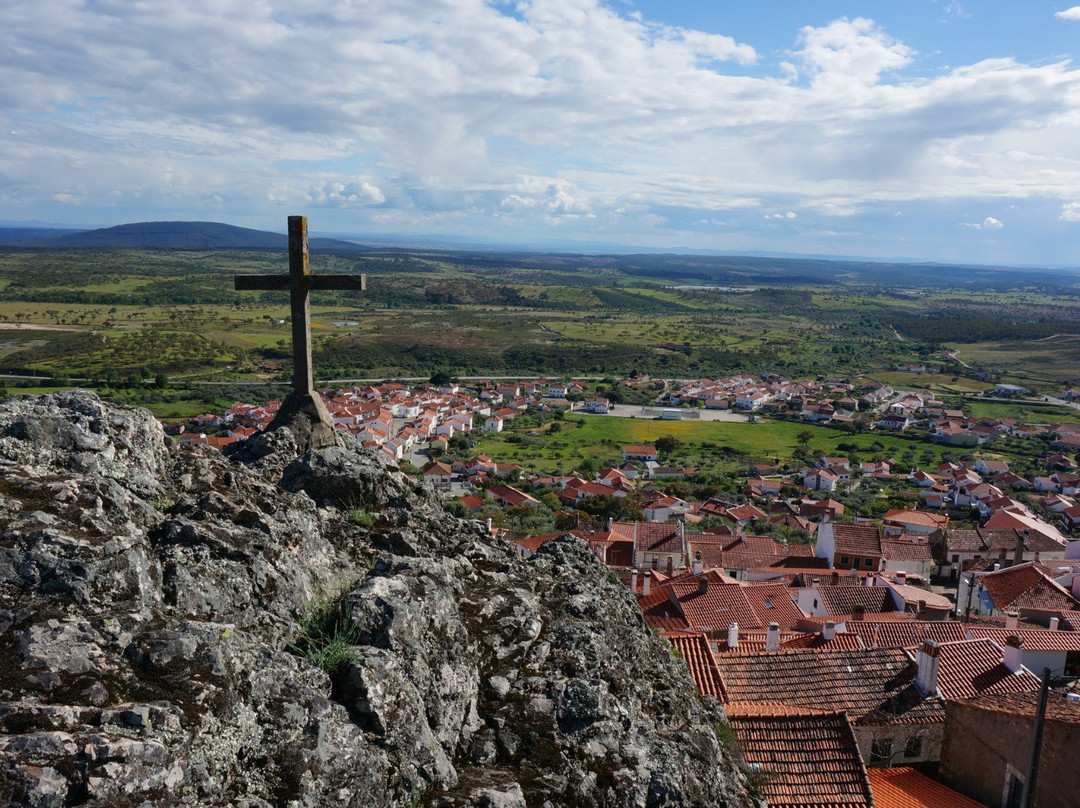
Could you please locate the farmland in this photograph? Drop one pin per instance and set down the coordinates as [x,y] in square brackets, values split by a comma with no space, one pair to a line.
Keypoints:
[111,314]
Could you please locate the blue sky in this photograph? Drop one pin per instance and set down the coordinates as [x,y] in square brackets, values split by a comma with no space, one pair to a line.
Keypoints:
[915,129]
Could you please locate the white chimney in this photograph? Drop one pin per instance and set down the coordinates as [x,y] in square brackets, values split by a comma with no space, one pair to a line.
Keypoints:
[772,637]
[733,635]
[633,581]
[927,658]
[828,631]
[610,523]
[997,566]
[1013,653]
[853,572]
[647,586]
[901,577]
[698,566]
[1012,621]
[1054,623]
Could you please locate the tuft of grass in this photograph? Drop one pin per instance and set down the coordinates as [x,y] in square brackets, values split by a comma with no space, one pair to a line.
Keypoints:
[327,636]
[360,517]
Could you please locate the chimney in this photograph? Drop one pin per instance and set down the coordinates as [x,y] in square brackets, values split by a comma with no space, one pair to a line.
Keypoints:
[1012,621]
[1013,653]
[633,581]
[733,635]
[853,572]
[997,566]
[610,524]
[1021,540]
[927,658]
[835,578]
[828,632]
[900,577]
[703,585]
[1054,623]
[647,586]
[772,638]
[698,566]
[858,612]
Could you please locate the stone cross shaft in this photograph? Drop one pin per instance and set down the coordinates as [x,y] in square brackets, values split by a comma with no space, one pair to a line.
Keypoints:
[303,403]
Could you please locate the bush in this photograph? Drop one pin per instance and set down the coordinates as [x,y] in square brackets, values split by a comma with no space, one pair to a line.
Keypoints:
[360,517]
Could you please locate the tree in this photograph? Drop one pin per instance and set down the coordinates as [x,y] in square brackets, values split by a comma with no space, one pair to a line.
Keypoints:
[666,444]
[804,437]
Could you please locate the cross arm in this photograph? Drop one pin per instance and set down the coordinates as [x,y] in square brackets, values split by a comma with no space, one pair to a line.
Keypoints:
[312,283]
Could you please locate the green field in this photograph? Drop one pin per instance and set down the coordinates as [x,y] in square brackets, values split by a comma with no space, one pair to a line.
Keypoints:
[715,446]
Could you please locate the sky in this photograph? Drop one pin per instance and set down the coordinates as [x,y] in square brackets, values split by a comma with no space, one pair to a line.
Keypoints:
[927,130]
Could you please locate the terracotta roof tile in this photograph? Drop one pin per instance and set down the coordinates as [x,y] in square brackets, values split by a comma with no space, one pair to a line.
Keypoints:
[840,600]
[809,757]
[906,788]
[1035,639]
[1026,586]
[972,667]
[695,651]
[863,540]
[905,634]
[872,686]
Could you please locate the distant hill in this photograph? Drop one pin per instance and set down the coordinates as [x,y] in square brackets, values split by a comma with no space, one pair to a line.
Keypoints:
[166,236]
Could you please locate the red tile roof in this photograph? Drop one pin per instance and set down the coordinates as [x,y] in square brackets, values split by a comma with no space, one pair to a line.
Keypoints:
[972,667]
[1026,586]
[694,649]
[906,788]
[905,634]
[841,600]
[1058,709]
[861,540]
[1035,639]
[873,686]
[808,757]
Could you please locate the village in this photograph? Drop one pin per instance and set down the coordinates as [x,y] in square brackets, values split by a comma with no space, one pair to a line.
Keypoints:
[861,659]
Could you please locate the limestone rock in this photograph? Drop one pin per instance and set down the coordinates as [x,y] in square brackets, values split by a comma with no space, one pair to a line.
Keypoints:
[149,605]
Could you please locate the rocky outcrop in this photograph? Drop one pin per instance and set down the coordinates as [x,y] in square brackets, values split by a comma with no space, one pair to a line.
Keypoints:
[149,604]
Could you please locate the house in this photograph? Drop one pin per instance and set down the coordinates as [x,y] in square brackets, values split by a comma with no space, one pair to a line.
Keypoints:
[905,520]
[893,721]
[437,473]
[849,546]
[599,406]
[643,453]
[511,497]
[656,546]
[987,742]
[711,602]
[493,424]
[820,480]
[907,552]
[1018,587]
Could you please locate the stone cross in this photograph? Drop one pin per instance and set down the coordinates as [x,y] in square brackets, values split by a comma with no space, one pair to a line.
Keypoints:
[303,409]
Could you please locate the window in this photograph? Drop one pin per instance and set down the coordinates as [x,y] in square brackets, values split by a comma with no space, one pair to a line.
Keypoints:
[956,558]
[913,747]
[881,750]
[843,559]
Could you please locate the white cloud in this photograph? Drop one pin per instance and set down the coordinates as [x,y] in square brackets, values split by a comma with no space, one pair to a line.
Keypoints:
[1070,212]
[346,194]
[1069,14]
[989,223]
[541,113]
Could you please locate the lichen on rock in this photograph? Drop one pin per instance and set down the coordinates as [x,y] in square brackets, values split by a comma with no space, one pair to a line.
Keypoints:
[149,598]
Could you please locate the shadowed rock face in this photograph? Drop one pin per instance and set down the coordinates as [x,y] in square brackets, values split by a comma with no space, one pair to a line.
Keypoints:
[147,602]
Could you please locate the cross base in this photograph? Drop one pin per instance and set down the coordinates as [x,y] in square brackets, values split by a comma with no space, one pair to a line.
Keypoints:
[305,414]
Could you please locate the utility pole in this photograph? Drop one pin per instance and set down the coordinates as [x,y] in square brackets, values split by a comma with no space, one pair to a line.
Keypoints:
[1027,800]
